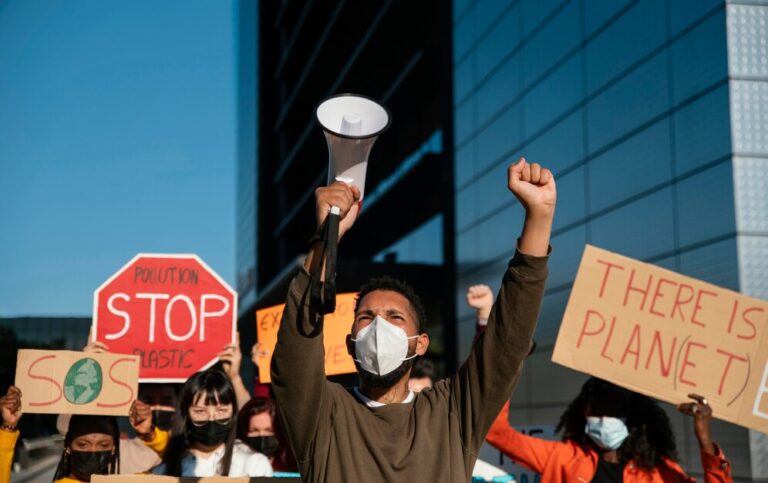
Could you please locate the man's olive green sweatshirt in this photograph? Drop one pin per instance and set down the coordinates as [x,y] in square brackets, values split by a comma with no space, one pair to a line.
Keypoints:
[436,436]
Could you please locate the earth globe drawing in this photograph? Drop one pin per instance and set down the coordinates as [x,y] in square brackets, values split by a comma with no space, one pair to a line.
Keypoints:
[83,381]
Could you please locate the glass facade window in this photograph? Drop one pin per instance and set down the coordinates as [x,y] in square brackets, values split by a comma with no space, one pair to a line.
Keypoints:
[633,105]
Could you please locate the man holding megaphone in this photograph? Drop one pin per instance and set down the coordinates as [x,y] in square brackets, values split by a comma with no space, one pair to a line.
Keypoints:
[381,431]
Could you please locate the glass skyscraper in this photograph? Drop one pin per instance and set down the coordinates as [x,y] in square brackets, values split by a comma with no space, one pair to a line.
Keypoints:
[653,115]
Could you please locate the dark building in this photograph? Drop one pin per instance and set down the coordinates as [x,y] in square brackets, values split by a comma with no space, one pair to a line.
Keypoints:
[651,113]
[399,54]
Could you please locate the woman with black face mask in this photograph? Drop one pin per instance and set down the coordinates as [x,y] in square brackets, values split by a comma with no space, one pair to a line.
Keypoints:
[90,445]
[201,441]
[258,426]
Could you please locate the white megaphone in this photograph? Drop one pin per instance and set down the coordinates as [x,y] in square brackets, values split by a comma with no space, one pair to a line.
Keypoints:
[351,124]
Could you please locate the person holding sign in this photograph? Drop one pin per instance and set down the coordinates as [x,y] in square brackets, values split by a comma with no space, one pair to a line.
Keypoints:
[202,437]
[381,431]
[259,426]
[10,410]
[611,434]
[90,445]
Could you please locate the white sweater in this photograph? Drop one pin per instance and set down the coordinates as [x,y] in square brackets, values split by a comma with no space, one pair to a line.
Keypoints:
[245,462]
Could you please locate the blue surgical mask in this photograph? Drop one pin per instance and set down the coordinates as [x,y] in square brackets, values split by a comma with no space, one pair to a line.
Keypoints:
[606,432]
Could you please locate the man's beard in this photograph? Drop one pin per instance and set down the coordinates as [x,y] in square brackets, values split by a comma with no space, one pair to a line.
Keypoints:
[369,379]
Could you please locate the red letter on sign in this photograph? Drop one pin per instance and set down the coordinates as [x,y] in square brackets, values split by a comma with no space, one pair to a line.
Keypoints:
[43,378]
[657,342]
[633,339]
[608,267]
[631,288]
[750,322]
[731,357]
[698,305]
[686,362]
[586,323]
[658,295]
[679,300]
[608,340]
[119,383]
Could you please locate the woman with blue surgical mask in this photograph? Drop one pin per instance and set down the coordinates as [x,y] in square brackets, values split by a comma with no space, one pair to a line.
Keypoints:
[611,434]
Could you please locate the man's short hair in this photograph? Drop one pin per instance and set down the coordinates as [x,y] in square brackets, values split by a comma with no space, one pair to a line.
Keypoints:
[395,285]
[423,368]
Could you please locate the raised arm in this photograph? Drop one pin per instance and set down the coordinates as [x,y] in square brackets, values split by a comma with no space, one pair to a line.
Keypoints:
[529,451]
[487,378]
[298,372]
[716,466]
[231,358]
[480,298]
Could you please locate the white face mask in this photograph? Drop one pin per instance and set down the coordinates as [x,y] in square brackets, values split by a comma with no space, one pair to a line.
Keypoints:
[381,347]
[606,432]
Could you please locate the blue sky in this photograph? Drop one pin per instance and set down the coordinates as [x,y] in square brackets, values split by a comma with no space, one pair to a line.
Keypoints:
[117,136]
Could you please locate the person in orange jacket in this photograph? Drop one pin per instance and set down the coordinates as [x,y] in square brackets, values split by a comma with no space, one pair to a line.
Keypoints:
[611,434]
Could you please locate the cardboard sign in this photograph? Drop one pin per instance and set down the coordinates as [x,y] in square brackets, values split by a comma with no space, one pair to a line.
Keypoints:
[68,382]
[666,335]
[173,311]
[337,326]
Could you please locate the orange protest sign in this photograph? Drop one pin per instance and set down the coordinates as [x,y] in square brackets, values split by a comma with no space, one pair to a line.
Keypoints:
[335,330]
[68,382]
[666,335]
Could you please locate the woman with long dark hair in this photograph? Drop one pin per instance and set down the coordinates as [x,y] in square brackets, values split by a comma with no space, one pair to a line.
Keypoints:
[258,426]
[202,437]
[90,445]
[610,434]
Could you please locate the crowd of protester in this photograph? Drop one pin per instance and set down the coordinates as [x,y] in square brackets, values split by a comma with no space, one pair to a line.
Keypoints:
[400,423]
[204,427]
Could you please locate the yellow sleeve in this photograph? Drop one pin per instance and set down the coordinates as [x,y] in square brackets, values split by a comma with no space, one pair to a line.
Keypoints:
[7,445]
[158,444]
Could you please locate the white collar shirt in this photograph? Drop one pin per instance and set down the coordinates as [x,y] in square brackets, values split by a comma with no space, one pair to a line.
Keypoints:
[245,462]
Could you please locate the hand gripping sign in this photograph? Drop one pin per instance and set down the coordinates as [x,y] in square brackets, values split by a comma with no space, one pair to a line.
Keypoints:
[173,311]
[665,335]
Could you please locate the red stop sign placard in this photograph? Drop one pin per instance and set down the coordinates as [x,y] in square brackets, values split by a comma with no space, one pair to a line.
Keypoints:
[173,311]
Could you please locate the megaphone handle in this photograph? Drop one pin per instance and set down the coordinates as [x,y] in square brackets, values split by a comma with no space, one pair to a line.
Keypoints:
[331,254]
[326,298]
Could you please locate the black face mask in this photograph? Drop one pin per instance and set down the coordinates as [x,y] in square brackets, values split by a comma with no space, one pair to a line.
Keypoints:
[83,464]
[211,433]
[267,445]
[162,419]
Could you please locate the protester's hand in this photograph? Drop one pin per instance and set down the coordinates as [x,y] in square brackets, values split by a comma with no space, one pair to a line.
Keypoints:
[341,195]
[231,358]
[10,407]
[534,187]
[96,347]
[140,417]
[480,298]
[258,351]
[702,418]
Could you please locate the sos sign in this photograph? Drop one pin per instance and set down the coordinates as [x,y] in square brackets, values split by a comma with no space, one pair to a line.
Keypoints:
[173,311]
